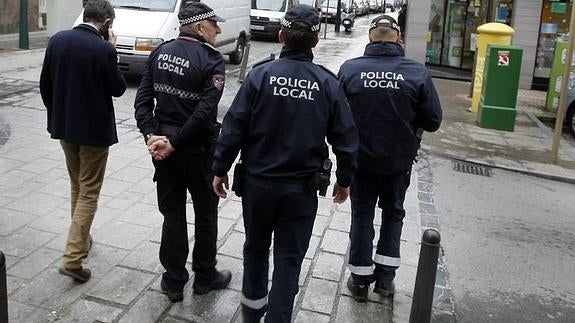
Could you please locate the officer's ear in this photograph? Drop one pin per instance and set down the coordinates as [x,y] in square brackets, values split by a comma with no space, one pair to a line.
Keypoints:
[282,37]
[315,41]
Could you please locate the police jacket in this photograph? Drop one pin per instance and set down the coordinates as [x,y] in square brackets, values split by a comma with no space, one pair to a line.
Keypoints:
[186,77]
[78,80]
[280,118]
[393,100]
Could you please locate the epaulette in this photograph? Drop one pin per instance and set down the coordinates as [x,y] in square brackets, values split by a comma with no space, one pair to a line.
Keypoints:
[210,46]
[327,70]
[162,44]
[266,60]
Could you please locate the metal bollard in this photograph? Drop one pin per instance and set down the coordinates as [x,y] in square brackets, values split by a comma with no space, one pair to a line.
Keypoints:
[425,279]
[3,290]
[244,62]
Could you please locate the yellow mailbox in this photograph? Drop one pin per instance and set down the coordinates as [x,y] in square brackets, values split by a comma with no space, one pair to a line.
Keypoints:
[489,33]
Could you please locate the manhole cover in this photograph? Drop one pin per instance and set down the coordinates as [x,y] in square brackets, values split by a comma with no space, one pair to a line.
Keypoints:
[470,168]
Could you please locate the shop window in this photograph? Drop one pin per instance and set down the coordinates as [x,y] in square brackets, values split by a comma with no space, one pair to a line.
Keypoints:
[453,26]
[555,18]
[435,32]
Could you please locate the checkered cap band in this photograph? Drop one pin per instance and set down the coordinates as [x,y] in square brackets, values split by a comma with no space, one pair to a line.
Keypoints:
[286,23]
[384,23]
[196,18]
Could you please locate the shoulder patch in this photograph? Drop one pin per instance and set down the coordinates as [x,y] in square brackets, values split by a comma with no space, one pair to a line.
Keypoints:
[327,70]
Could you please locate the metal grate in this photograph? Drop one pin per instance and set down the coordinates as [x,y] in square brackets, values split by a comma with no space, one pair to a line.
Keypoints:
[470,168]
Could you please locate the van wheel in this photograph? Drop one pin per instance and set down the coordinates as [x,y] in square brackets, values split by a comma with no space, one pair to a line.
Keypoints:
[570,118]
[237,56]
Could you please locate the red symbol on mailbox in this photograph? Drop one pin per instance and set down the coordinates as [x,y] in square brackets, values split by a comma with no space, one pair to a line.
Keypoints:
[503,58]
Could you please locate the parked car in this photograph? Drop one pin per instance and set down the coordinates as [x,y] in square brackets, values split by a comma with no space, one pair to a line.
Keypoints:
[361,8]
[266,15]
[375,6]
[143,26]
[328,12]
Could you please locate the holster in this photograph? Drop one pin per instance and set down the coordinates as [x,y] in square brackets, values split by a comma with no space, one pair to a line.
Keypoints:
[320,180]
[239,178]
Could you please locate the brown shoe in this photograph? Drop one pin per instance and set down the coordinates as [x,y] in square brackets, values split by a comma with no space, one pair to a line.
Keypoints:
[81,275]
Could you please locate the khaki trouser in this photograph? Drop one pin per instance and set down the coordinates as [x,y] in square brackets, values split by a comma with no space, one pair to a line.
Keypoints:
[86,167]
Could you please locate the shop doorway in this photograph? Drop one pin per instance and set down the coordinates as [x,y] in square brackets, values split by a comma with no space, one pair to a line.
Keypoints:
[453,26]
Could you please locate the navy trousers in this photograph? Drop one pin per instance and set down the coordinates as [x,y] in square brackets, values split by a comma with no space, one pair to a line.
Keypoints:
[184,171]
[365,191]
[288,211]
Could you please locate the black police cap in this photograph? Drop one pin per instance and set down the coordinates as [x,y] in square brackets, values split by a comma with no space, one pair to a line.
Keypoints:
[302,13]
[385,21]
[193,11]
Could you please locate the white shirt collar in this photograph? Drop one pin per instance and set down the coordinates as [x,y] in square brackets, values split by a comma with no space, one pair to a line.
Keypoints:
[91,25]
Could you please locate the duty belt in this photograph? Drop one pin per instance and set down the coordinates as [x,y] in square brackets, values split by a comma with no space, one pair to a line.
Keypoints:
[168,130]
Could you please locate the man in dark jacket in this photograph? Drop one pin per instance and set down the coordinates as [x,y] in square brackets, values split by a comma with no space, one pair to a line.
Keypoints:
[393,100]
[185,77]
[279,120]
[78,79]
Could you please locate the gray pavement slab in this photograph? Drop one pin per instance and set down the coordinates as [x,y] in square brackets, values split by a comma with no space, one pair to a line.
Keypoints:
[121,285]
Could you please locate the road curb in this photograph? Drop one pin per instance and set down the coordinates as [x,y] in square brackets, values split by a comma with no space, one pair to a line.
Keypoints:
[552,177]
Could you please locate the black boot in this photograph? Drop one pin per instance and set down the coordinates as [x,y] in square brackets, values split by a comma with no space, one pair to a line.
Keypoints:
[358,291]
[173,295]
[250,315]
[219,280]
[384,288]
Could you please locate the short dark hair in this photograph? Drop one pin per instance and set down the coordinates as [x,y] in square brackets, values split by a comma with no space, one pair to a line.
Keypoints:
[98,11]
[298,36]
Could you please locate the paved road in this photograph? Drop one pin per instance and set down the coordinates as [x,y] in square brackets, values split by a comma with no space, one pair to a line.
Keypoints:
[509,244]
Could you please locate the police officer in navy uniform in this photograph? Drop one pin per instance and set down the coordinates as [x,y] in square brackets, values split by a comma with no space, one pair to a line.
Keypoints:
[185,77]
[279,120]
[393,100]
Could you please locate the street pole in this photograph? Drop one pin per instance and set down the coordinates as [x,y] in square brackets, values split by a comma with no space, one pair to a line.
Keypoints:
[337,16]
[325,16]
[23,42]
[564,91]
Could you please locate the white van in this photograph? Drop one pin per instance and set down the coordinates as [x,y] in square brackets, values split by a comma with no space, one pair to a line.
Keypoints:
[142,25]
[266,16]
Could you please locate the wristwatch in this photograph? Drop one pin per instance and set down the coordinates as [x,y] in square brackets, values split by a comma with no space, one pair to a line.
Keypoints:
[148,136]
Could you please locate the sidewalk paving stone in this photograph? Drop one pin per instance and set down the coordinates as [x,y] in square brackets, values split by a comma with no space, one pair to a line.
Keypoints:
[88,311]
[51,290]
[320,296]
[12,220]
[24,241]
[147,309]
[102,258]
[144,258]
[217,306]
[121,285]
[328,266]
[20,312]
[335,241]
[121,234]
[348,310]
[34,263]
[304,316]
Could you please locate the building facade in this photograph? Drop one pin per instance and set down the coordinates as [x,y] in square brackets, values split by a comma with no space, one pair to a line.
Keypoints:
[443,32]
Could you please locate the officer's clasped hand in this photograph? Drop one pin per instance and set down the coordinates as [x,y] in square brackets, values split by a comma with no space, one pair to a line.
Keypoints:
[221,185]
[340,193]
[159,147]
